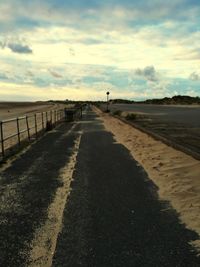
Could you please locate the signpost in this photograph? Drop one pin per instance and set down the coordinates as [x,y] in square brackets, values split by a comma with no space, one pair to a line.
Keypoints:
[107,110]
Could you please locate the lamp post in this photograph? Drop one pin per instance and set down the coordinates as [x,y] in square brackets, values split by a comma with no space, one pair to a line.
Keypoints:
[107,99]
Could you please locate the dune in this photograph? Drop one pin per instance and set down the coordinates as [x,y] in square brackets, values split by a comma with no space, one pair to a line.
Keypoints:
[176,174]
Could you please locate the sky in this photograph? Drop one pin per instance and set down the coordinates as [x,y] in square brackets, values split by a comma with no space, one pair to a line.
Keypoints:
[80,49]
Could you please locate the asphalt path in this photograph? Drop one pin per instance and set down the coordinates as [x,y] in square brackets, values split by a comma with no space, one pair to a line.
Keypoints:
[187,115]
[113,216]
[27,188]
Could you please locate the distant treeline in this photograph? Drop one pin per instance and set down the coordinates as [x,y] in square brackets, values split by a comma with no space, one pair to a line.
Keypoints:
[122,101]
[178,99]
[175,100]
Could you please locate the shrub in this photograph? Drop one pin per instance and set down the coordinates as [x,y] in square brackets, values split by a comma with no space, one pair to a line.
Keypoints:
[131,116]
[117,112]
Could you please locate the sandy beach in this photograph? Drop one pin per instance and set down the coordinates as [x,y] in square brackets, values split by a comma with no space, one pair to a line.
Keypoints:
[10,110]
[175,173]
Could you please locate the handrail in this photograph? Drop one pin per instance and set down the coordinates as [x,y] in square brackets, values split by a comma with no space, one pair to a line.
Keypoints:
[31,124]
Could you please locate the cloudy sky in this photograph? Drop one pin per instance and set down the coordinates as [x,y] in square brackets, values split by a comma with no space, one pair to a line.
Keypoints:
[79,49]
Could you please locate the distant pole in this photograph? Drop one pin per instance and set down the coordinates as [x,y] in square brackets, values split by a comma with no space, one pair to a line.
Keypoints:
[107,99]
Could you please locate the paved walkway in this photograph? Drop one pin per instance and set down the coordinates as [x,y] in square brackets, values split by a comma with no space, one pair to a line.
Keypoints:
[113,216]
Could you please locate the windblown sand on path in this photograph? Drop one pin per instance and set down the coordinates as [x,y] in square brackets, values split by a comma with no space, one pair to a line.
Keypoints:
[176,174]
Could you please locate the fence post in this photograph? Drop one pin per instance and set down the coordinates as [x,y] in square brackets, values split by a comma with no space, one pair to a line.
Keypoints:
[81,112]
[18,132]
[42,121]
[35,125]
[58,115]
[55,117]
[51,116]
[2,139]
[28,130]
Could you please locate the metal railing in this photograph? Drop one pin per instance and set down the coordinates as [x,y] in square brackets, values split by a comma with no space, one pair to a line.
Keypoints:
[16,130]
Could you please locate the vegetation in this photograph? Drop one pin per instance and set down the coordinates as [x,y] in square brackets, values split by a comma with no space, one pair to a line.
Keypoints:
[131,116]
[117,112]
[122,101]
[175,100]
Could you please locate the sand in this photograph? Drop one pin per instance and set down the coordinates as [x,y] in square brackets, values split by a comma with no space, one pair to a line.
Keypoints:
[176,174]
[44,243]
[10,110]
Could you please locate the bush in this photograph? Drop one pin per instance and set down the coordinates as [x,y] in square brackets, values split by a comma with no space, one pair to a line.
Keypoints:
[131,116]
[117,112]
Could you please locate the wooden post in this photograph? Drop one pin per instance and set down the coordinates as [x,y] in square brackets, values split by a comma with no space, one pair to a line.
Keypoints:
[55,117]
[28,129]
[58,118]
[2,139]
[35,125]
[42,121]
[18,132]
[81,112]
[51,116]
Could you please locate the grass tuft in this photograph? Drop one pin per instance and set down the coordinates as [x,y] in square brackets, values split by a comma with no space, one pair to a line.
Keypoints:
[131,116]
[117,112]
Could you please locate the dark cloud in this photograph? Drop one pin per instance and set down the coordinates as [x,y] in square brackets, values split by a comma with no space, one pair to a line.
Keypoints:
[29,73]
[16,46]
[194,76]
[149,73]
[55,74]
[72,51]
[2,44]
[19,48]
[3,76]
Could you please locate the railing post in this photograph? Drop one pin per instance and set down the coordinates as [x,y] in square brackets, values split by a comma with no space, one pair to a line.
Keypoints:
[46,117]
[55,117]
[51,116]
[2,139]
[35,125]
[28,129]
[42,121]
[18,132]
[81,112]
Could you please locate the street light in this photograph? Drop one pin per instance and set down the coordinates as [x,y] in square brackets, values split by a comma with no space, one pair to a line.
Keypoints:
[107,100]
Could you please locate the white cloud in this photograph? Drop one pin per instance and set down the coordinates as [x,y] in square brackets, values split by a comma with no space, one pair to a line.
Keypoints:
[55,74]
[114,35]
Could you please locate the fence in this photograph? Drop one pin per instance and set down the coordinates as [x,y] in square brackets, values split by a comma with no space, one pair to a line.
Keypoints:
[15,131]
